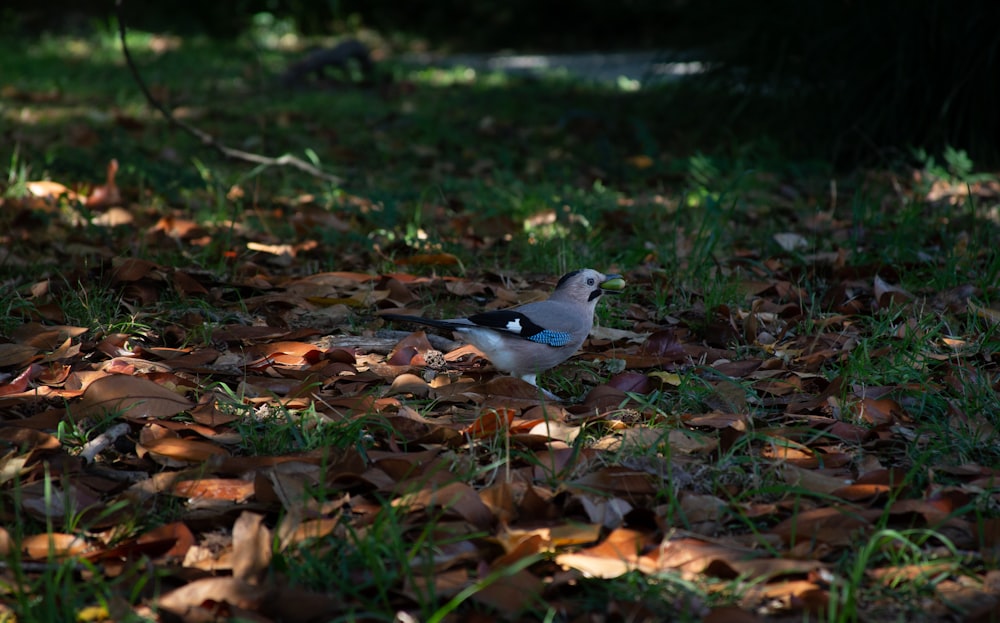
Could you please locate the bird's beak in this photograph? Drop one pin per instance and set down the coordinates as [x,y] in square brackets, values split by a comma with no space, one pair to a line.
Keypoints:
[613,284]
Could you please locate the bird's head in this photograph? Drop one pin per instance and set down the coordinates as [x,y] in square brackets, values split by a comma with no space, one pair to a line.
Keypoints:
[587,285]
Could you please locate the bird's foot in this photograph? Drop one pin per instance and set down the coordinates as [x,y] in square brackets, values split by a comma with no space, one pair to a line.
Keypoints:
[549,395]
[532,379]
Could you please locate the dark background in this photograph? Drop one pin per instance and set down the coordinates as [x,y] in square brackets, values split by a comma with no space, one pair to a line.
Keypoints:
[853,79]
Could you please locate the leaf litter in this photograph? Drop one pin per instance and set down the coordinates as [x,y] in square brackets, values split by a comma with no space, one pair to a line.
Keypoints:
[728,446]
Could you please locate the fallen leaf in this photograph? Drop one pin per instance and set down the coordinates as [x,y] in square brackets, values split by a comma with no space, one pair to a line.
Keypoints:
[129,396]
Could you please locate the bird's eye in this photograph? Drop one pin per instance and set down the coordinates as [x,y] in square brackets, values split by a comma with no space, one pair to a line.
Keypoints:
[590,281]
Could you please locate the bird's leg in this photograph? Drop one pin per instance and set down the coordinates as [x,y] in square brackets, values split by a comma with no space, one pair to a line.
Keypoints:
[549,395]
[533,379]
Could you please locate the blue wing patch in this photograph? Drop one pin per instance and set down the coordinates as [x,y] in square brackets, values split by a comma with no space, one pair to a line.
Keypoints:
[515,323]
[552,338]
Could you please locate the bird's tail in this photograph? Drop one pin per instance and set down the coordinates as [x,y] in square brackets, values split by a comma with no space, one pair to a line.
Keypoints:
[430,322]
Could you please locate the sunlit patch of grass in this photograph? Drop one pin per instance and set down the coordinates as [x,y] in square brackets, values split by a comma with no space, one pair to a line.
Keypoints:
[59,594]
[367,567]
[102,310]
[397,552]
[666,596]
[446,77]
[272,430]
[896,351]
[14,308]
[53,588]
[17,176]
[912,563]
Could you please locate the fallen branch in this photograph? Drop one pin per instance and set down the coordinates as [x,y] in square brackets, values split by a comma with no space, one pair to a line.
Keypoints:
[207,139]
[97,445]
[385,340]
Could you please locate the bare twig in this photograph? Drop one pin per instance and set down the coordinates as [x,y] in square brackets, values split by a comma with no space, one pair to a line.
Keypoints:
[96,445]
[207,139]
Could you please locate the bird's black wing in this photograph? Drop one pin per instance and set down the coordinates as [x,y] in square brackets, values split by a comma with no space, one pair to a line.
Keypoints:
[516,323]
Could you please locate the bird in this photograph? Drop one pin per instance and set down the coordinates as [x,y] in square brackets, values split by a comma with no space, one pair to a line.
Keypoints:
[526,340]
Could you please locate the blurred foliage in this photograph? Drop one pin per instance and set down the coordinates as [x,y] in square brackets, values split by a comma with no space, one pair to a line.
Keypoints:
[526,25]
[182,17]
[462,25]
[853,81]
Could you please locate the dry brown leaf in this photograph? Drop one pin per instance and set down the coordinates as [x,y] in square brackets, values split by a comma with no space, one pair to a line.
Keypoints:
[887,295]
[618,554]
[107,194]
[50,190]
[861,492]
[837,526]
[700,508]
[607,512]
[130,396]
[251,548]
[198,598]
[811,480]
[556,430]
[16,354]
[691,442]
[306,530]
[699,556]
[54,545]
[616,480]
[513,593]
[28,439]
[20,383]
[490,423]
[796,594]
[186,450]
[428,259]
[230,489]
[409,384]
[881,412]
[455,497]
[6,542]
[170,541]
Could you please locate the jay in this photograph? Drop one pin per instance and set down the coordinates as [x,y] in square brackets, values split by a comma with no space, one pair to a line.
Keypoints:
[534,337]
